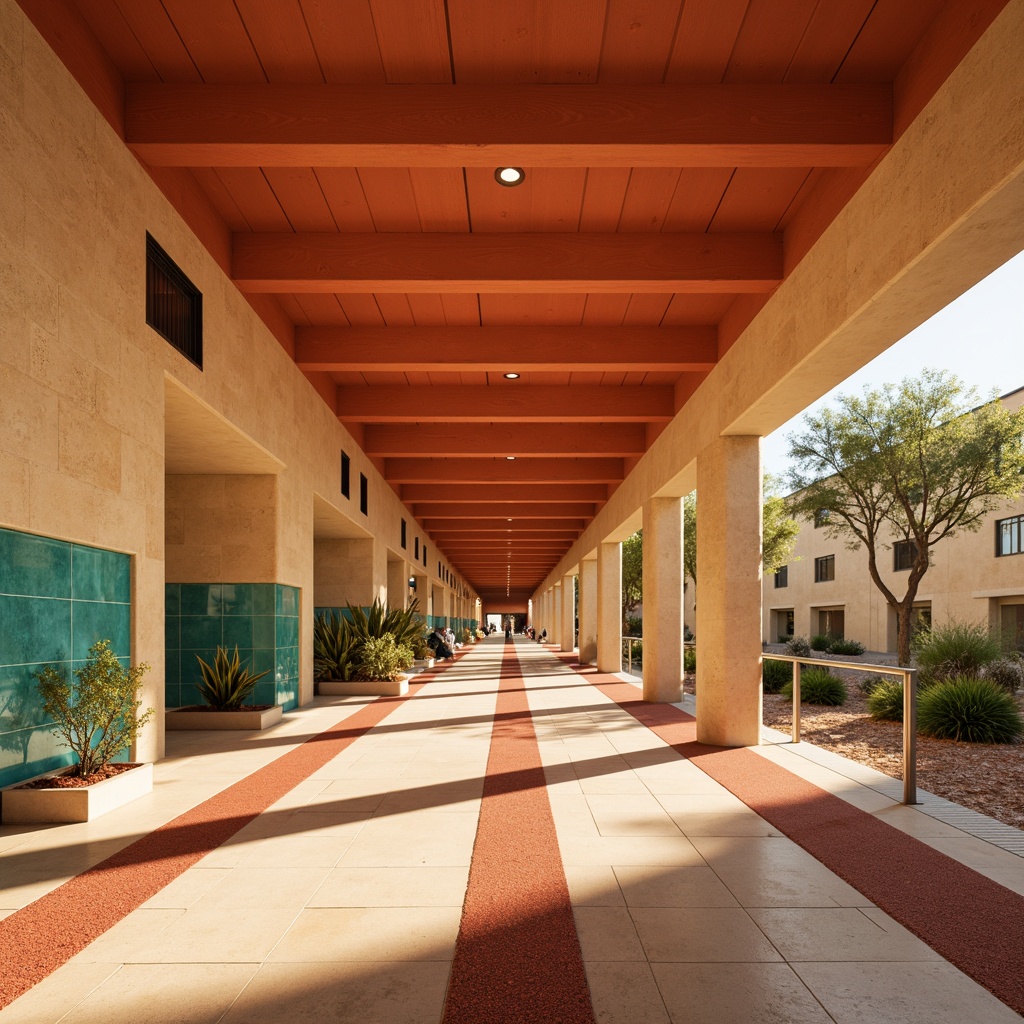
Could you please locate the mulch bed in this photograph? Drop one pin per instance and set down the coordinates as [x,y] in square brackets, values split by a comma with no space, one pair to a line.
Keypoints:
[77,782]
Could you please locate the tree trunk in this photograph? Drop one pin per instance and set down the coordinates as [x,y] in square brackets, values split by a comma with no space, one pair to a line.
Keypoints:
[904,611]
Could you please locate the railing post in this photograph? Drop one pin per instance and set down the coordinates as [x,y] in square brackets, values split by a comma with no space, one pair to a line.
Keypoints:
[910,736]
[796,701]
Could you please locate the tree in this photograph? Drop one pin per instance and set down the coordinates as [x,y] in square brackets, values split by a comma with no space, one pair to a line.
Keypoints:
[632,573]
[912,464]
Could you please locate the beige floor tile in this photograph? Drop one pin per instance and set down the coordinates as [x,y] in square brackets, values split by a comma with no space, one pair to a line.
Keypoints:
[326,823]
[720,802]
[593,886]
[118,945]
[1011,878]
[453,797]
[666,850]
[393,887]
[297,851]
[277,888]
[57,994]
[186,889]
[343,993]
[916,823]
[572,815]
[634,815]
[748,993]
[733,823]
[897,993]
[622,783]
[977,854]
[370,933]
[607,933]
[380,769]
[686,886]
[701,935]
[844,934]
[408,840]
[625,993]
[164,994]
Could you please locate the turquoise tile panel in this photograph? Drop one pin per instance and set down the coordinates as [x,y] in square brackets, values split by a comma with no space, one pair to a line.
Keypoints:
[287,600]
[264,598]
[237,631]
[237,598]
[172,598]
[34,566]
[264,693]
[98,575]
[264,631]
[172,667]
[264,661]
[172,632]
[200,632]
[95,620]
[287,632]
[201,599]
[34,630]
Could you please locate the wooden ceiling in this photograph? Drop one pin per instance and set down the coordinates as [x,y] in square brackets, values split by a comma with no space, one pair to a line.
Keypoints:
[680,158]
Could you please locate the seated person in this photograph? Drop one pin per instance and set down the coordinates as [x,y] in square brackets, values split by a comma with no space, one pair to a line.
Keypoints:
[436,642]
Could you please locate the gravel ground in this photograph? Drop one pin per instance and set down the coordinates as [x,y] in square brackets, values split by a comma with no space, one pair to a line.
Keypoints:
[986,777]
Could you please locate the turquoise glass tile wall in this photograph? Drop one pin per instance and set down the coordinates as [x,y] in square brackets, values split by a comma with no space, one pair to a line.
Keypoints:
[261,619]
[56,600]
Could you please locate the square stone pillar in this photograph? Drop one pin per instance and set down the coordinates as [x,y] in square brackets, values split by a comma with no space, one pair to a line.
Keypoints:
[663,600]
[568,630]
[609,607]
[729,592]
[588,611]
[555,632]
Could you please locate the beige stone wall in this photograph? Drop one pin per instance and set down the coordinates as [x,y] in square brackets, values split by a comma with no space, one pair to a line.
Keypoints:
[82,378]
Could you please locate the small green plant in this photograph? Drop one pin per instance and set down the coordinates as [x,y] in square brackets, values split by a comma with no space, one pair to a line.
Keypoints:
[821,642]
[421,649]
[404,624]
[97,716]
[689,659]
[818,686]
[467,636]
[382,659]
[1005,672]
[334,648]
[634,626]
[955,649]
[775,675]
[886,700]
[969,710]
[848,647]
[798,647]
[227,683]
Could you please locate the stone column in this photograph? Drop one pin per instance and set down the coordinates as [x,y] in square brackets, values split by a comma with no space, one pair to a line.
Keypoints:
[588,611]
[555,632]
[568,631]
[663,600]
[609,607]
[729,592]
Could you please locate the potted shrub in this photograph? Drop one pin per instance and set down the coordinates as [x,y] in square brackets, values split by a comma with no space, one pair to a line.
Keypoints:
[423,656]
[97,718]
[227,684]
[379,670]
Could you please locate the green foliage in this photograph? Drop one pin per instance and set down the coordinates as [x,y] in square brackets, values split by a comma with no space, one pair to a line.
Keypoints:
[689,659]
[885,701]
[821,642]
[870,683]
[634,626]
[847,647]
[421,649]
[690,536]
[381,658]
[467,635]
[334,648]
[969,710]
[775,675]
[798,647]
[404,624]
[1005,672]
[915,462]
[227,683]
[632,573]
[818,686]
[954,649]
[98,715]
[338,641]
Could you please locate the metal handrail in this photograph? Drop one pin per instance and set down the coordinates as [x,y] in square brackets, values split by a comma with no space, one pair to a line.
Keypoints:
[629,650]
[909,708]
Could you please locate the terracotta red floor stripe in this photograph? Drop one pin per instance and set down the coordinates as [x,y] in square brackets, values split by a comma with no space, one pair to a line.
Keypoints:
[975,923]
[517,956]
[39,938]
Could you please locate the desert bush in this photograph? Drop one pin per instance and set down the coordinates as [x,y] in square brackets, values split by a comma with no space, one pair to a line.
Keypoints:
[404,624]
[634,626]
[227,683]
[821,642]
[798,647]
[334,648]
[818,686]
[969,710]
[886,699]
[849,647]
[1005,672]
[775,675]
[381,658]
[689,659]
[467,635]
[98,715]
[955,649]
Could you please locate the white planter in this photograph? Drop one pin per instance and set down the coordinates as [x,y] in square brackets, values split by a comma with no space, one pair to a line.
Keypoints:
[175,721]
[362,688]
[422,664]
[83,803]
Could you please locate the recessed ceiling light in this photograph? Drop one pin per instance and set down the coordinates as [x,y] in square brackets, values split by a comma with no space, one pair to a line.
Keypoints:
[511,376]
[509,176]
[510,458]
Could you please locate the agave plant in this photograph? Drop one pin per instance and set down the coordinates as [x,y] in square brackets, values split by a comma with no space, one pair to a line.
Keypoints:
[404,624]
[227,683]
[334,648]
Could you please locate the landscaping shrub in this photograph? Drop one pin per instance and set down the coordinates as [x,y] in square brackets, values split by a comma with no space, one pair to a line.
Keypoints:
[969,710]
[850,647]
[382,659]
[775,675]
[818,686]
[886,699]
[821,642]
[1005,672]
[955,649]
[634,626]
[227,683]
[689,659]
[798,647]
[334,648]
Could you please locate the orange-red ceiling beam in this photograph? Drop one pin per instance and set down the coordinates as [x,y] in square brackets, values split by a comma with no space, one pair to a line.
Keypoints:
[505,402]
[506,263]
[317,125]
[472,349]
[484,440]
[516,493]
[511,514]
[539,525]
[526,471]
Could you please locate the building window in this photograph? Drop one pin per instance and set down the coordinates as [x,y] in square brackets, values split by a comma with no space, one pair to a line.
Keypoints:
[424,554]
[364,497]
[346,467]
[403,535]
[416,548]
[832,622]
[174,305]
[782,577]
[825,569]
[1010,536]
[821,518]
[904,553]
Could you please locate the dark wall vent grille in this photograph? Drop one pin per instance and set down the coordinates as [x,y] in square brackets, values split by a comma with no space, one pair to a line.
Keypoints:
[174,306]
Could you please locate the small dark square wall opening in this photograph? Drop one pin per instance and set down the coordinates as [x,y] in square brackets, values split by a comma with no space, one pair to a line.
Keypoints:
[346,472]
[364,494]
[403,535]
[174,305]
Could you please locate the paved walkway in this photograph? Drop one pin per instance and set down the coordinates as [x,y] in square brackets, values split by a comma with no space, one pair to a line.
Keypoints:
[346,899]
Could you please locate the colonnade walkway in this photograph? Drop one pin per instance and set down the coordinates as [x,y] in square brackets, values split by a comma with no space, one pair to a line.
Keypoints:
[517,840]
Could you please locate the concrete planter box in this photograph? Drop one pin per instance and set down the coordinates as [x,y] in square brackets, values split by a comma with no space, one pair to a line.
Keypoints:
[364,688]
[35,806]
[176,721]
[422,664]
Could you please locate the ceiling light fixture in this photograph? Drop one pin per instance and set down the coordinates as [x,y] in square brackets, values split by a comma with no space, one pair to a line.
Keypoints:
[509,176]
[511,376]
[510,458]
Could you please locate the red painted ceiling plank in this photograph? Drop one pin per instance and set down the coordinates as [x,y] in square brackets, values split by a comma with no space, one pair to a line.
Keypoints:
[603,196]
[696,309]
[254,198]
[281,40]
[705,40]
[361,309]
[153,28]
[440,197]
[698,194]
[343,36]
[549,199]
[534,310]
[605,310]
[889,35]
[638,38]
[427,310]
[115,35]
[461,310]
[395,310]
[221,198]
[758,199]
[323,309]
[413,39]
[648,198]
[767,40]
[438,470]
[829,35]
[646,310]
[216,41]
[298,191]
[390,198]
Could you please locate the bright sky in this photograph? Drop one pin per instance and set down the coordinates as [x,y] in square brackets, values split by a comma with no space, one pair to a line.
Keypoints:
[979,337]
